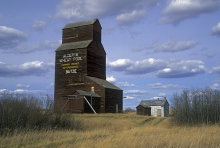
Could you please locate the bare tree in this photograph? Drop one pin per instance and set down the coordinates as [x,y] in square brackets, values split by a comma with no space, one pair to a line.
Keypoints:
[196,106]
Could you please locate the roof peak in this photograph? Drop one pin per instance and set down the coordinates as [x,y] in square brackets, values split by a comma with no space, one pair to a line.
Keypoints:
[81,23]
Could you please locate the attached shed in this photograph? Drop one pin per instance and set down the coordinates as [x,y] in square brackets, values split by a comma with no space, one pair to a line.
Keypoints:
[159,108]
[143,109]
[81,101]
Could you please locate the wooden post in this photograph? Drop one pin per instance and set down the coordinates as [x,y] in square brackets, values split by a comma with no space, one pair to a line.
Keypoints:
[116,108]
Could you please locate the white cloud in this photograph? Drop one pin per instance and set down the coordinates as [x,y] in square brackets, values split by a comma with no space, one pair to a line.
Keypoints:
[39,25]
[22,86]
[129,98]
[180,10]
[172,46]
[3,91]
[215,86]
[138,67]
[135,92]
[145,66]
[120,64]
[163,69]
[124,11]
[215,70]
[216,30]
[161,95]
[129,18]
[36,68]
[183,68]
[10,37]
[22,91]
[161,86]
[25,49]
[111,79]
[50,44]
[124,84]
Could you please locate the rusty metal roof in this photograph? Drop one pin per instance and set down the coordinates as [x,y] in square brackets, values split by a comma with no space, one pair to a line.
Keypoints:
[74,45]
[103,83]
[78,24]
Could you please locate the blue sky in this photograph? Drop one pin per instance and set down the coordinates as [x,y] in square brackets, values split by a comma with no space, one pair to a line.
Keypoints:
[154,47]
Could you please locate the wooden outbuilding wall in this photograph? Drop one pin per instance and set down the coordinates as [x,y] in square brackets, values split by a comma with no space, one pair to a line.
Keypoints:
[141,110]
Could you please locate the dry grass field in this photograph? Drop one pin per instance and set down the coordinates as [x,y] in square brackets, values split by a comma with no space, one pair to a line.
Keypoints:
[120,131]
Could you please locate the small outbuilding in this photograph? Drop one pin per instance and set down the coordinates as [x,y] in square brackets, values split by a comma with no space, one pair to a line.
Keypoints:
[143,109]
[158,108]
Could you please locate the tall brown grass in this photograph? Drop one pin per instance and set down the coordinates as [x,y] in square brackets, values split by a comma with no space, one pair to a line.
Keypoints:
[120,131]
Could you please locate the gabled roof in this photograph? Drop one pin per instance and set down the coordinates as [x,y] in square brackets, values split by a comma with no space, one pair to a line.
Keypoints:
[78,24]
[103,83]
[153,102]
[145,105]
[87,93]
[74,45]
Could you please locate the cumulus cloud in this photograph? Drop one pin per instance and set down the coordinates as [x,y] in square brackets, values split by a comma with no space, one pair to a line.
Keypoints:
[172,46]
[161,86]
[179,10]
[134,94]
[129,67]
[131,17]
[124,11]
[215,70]
[25,49]
[10,37]
[120,64]
[216,30]
[39,25]
[183,68]
[36,68]
[163,69]
[111,79]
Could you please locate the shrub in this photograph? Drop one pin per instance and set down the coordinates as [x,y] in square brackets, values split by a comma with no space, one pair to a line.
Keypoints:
[128,110]
[20,113]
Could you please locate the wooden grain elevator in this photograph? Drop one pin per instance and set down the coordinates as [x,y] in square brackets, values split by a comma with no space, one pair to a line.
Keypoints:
[80,72]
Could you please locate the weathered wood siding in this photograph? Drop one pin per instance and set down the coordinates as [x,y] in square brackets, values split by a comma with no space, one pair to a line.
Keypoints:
[154,110]
[166,109]
[100,90]
[96,61]
[77,34]
[73,65]
[113,97]
[143,111]
[69,72]
[95,103]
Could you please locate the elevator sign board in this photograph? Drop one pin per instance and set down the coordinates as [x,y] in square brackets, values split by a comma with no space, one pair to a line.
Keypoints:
[70,62]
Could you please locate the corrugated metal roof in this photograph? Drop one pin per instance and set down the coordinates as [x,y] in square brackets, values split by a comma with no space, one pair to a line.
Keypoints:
[78,24]
[103,83]
[87,93]
[74,45]
[153,102]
